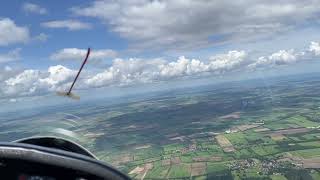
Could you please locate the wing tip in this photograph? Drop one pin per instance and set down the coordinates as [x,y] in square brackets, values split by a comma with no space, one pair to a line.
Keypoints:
[70,95]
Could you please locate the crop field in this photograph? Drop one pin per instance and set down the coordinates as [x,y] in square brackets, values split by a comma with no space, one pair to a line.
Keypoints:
[277,137]
[307,153]
[225,143]
[231,131]
[302,121]
[180,171]
[278,177]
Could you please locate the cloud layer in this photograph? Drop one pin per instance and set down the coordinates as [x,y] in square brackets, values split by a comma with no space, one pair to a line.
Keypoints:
[284,57]
[142,71]
[31,82]
[177,24]
[135,71]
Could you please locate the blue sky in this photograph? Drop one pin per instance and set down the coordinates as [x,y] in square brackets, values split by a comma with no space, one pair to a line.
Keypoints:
[135,42]
[36,53]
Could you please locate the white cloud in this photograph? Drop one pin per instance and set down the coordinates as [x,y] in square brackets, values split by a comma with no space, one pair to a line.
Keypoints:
[315,48]
[10,33]
[69,24]
[24,83]
[135,71]
[79,54]
[12,55]
[228,61]
[31,82]
[284,57]
[34,8]
[141,71]
[281,57]
[121,72]
[58,78]
[176,24]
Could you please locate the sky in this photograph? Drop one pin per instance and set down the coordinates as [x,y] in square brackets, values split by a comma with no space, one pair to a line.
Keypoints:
[42,43]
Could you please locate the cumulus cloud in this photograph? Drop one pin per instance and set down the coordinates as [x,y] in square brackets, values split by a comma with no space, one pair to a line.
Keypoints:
[176,24]
[141,71]
[33,8]
[69,24]
[10,33]
[79,54]
[121,72]
[228,61]
[281,57]
[134,71]
[57,77]
[284,57]
[12,55]
[315,48]
[22,84]
[31,82]
[126,72]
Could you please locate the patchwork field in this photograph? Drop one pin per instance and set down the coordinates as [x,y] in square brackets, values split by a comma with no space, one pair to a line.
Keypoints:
[224,143]
[237,130]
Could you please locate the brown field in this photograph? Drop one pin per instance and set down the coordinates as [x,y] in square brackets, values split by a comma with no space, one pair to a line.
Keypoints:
[137,170]
[175,160]
[225,143]
[234,115]
[287,156]
[198,169]
[290,131]
[180,138]
[165,162]
[261,130]
[144,146]
[277,137]
[150,160]
[311,163]
[172,135]
[229,149]
[145,170]
[123,159]
[93,135]
[207,159]
[130,127]
[248,126]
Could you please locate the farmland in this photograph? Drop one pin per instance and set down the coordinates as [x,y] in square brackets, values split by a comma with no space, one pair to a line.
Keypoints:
[236,130]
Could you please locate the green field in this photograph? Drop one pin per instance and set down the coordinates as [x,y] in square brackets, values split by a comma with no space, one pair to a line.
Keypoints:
[237,139]
[307,153]
[315,174]
[302,121]
[174,134]
[218,168]
[158,171]
[179,171]
[278,177]
[265,150]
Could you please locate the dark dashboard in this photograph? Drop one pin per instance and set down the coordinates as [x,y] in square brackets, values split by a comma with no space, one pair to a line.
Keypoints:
[30,161]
